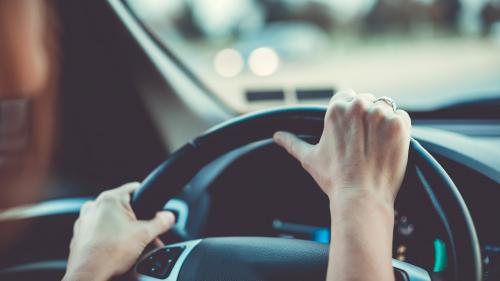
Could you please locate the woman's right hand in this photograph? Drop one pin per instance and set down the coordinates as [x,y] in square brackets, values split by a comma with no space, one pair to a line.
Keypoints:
[359,163]
[363,148]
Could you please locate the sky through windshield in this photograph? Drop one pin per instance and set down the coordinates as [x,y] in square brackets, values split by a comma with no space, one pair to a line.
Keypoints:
[259,53]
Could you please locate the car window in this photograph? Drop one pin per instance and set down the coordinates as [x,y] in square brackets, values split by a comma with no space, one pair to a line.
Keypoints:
[259,53]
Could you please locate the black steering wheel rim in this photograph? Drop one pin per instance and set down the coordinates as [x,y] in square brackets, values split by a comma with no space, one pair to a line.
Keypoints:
[171,177]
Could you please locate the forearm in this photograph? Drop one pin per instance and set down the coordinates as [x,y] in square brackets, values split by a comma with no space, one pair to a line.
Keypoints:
[361,237]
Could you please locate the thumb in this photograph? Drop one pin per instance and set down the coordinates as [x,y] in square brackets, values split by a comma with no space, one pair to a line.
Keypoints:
[298,148]
[160,224]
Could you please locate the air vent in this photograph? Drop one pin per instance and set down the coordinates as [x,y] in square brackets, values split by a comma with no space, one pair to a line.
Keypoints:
[314,94]
[265,95]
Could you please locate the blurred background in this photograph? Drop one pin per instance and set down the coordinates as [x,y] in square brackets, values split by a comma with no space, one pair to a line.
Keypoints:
[259,53]
[84,106]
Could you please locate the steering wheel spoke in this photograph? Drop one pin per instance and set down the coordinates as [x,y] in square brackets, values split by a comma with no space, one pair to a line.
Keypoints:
[249,258]
[165,263]
[409,272]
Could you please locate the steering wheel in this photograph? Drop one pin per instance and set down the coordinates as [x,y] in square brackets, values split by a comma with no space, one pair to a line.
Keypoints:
[260,258]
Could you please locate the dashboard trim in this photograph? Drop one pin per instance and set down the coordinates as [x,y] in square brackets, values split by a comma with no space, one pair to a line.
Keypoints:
[73,205]
[478,155]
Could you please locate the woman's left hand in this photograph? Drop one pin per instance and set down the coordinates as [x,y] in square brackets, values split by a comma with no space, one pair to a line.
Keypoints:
[108,238]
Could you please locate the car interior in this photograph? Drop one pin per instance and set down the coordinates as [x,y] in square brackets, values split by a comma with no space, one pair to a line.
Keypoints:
[184,96]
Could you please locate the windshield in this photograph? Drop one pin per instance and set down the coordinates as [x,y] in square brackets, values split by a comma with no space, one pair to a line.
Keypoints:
[258,53]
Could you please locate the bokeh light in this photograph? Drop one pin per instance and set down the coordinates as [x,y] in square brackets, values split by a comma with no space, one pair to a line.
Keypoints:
[228,63]
[263,61]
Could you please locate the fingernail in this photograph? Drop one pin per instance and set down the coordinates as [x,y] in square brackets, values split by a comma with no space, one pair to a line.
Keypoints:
[168,217]
[278,136]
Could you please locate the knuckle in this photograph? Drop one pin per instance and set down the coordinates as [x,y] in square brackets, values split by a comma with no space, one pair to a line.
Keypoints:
[330,115]
[106,197]
[289,143]
[345,93]
[294,147]
[358,106]
[336,110]
[377,114]
[395,126]
[370,96]
[405,116]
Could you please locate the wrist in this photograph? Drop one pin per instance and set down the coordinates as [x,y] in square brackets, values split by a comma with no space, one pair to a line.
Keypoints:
[82,276]
[363,203]
[87,272]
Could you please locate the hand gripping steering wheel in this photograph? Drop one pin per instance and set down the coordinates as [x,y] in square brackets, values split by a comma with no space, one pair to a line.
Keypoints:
[259,258]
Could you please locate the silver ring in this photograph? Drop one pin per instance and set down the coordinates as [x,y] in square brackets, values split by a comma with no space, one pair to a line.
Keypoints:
[389,101]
